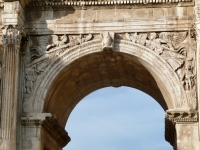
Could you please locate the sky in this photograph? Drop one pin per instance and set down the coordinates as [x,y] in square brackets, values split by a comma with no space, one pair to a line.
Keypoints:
[117,119]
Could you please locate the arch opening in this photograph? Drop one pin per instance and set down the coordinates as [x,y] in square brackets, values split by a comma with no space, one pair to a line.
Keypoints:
[117,118]
[98,70]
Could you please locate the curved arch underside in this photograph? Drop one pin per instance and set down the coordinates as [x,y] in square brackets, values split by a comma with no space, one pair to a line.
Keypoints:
[95,71]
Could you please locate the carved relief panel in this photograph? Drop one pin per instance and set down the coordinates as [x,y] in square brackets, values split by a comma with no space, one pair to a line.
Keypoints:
[178,49]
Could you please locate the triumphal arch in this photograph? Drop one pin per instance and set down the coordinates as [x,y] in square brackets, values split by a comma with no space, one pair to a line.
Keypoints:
[55,52]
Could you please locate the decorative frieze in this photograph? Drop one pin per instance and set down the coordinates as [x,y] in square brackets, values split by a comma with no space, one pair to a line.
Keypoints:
[178,49]
[177,116]
[58,41]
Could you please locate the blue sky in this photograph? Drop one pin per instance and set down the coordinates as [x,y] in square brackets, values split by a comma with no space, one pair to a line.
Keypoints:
[117,119]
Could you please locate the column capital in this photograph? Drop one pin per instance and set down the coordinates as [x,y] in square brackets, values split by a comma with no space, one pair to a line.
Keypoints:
[12,34]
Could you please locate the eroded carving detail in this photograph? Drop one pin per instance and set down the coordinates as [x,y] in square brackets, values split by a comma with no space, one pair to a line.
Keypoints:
[179,51]
[38,58]
[76,40]
[11,35]
[172,46]
[107,41]
[68,41]
[56,41]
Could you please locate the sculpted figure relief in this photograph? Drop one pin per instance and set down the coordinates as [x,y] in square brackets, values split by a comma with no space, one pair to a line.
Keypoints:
[137,38]
[39,57]
[69,42]
[76,40]
[174,48]
[189,78]
[107,41]
[30,79]
[31,74]
[56,42]
[154,43]
[164,44]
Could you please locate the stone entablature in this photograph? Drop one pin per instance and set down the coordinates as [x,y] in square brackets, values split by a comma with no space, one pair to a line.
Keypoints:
[39,3]
[102,2]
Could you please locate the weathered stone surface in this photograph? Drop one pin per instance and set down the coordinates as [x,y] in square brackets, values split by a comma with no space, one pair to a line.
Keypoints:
[72,48]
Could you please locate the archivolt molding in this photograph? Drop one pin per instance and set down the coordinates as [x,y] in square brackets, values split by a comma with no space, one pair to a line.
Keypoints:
[167,52]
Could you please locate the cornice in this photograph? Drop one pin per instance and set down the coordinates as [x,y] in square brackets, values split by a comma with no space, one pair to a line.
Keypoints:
[181,116]
[99,3]
[109,3]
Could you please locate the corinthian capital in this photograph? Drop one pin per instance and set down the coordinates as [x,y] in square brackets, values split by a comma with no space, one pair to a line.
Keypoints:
[11,35]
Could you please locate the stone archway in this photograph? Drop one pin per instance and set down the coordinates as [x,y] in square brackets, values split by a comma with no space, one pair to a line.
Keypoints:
[68,73]
[72,48]
[135,55]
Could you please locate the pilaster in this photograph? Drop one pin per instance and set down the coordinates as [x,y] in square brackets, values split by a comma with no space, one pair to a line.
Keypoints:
[12,32]
[181,129]
[10,75]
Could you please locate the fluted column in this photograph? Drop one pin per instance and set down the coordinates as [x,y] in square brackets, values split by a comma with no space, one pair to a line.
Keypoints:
[12,21]
[10,76]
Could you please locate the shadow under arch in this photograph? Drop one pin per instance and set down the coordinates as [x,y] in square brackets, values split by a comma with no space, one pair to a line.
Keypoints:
[85,68]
